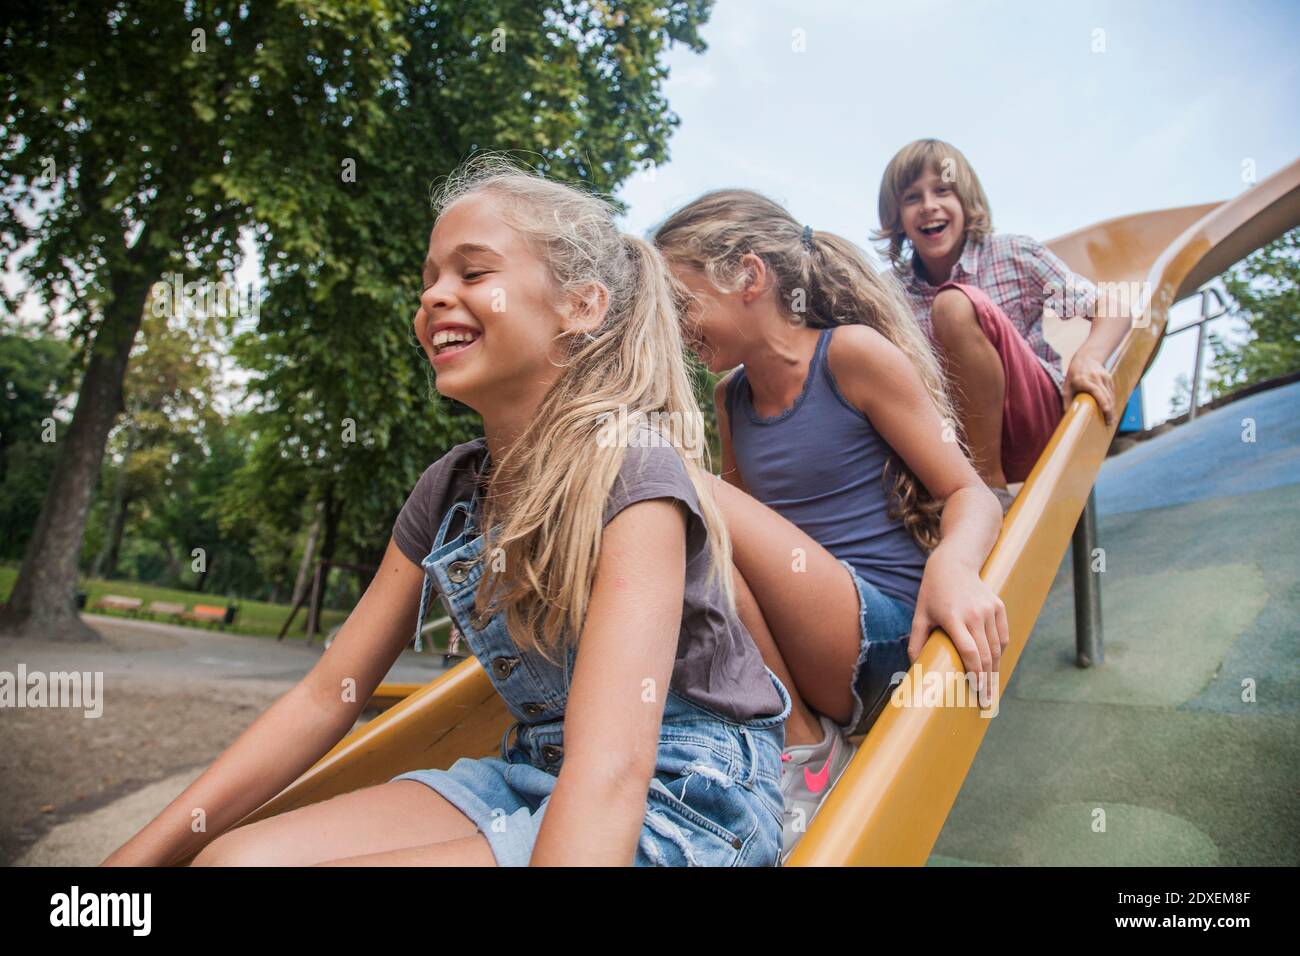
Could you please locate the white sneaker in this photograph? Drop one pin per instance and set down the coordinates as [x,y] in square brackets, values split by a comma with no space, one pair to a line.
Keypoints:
[808,771]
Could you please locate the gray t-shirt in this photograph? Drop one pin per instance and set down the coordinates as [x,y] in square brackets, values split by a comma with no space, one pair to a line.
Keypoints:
[718,666]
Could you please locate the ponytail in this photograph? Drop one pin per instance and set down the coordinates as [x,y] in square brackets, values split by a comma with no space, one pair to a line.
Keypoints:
[822,280]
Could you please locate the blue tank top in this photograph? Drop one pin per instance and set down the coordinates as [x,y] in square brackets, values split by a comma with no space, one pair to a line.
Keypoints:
[819,465]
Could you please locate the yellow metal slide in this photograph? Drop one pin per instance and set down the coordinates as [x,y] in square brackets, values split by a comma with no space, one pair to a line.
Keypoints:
[892,800]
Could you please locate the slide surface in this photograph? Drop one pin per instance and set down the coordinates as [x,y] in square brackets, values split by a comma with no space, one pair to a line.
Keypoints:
[892,800]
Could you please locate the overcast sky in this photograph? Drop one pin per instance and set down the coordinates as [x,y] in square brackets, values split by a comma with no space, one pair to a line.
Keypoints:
[1071,112]
[1176,99]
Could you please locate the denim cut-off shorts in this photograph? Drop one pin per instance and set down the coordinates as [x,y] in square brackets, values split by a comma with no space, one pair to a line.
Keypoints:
[882,659]
[714,800]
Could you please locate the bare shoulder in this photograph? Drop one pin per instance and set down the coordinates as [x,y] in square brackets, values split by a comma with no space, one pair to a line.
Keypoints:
[866,365]
[720,391]
[724,381]
[856,349]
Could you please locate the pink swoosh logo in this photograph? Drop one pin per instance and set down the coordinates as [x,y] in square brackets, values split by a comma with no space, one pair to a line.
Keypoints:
[816,782]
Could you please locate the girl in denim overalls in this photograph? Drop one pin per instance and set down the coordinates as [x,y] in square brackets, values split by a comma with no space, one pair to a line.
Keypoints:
[583,564]
[655,778]
[714,798]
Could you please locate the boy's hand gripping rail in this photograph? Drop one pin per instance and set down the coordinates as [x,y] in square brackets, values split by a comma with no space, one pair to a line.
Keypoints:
[891,802]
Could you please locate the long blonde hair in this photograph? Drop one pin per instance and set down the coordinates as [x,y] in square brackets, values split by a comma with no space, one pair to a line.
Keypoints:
[907,166]
[558,474]
[833,282]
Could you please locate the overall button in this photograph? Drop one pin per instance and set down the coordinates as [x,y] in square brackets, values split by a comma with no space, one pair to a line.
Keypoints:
[533,710]
[552,753]
[503,666]
[458,571]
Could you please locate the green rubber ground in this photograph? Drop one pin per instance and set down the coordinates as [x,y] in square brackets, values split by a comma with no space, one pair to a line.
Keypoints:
[1160,756]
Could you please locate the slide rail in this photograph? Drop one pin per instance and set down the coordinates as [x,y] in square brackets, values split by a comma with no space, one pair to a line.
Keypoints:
[891,802]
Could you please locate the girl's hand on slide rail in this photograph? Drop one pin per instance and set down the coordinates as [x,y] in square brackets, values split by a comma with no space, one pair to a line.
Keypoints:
[953,597]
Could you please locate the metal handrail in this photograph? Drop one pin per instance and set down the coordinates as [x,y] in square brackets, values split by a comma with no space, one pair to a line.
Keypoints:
[1207,316]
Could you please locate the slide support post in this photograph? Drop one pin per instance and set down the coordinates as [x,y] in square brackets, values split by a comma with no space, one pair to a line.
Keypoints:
[1087,588]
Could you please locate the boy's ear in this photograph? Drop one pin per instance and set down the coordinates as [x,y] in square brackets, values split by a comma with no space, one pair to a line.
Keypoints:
[587,308]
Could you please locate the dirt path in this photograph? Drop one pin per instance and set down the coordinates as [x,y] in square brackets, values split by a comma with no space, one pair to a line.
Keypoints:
[173,700]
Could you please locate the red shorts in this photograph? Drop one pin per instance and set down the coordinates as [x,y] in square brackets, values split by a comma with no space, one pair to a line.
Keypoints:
[1032,406]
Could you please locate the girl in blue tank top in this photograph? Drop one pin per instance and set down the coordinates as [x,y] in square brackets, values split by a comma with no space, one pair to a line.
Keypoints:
[858,523]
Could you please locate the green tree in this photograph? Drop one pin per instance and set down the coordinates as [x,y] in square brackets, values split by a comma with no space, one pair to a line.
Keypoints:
[138,137]
[141,136]
[169,393]
[34,374]
[1181,400]
[345,415]
[1266,288]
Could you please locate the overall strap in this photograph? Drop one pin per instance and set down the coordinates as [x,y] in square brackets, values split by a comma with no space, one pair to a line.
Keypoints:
[439,542]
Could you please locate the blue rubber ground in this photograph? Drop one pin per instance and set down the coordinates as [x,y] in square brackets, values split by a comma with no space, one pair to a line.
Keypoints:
[1210,456]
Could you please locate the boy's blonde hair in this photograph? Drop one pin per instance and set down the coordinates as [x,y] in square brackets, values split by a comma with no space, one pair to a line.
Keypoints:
[833,280]
[907,166]
[558,474]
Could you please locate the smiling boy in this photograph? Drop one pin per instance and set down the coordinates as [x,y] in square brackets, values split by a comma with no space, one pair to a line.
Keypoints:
[979,295]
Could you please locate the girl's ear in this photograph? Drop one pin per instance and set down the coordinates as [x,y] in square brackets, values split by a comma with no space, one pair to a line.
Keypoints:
[587,308]
[757,277]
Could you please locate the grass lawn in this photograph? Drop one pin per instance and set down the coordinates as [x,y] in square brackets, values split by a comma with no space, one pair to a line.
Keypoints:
[256,618]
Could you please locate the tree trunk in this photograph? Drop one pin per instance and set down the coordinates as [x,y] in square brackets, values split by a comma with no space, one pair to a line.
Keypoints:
[203,575]
[173,563]
[308,553]
[106,560]
[115,537]
[332,512]
[43,603]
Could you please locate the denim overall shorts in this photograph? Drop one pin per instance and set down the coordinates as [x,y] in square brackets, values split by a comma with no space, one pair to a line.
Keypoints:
[715,796]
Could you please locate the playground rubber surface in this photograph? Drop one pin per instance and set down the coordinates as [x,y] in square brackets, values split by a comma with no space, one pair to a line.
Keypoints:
[1181,748]
[1184,744]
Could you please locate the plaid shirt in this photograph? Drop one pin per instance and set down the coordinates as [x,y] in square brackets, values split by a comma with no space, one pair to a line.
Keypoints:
[1020,275]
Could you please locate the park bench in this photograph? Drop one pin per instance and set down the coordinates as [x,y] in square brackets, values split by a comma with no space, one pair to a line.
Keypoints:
[169,608]
[115,602]
[211,614]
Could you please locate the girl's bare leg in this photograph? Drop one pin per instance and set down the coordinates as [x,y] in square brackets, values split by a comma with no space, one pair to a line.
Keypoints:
[470,851]
[390,816]
[807,600]
[801,726]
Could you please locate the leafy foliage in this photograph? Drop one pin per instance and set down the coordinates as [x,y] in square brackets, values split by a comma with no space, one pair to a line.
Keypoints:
[34,376]
[1266,288]
[146,137]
